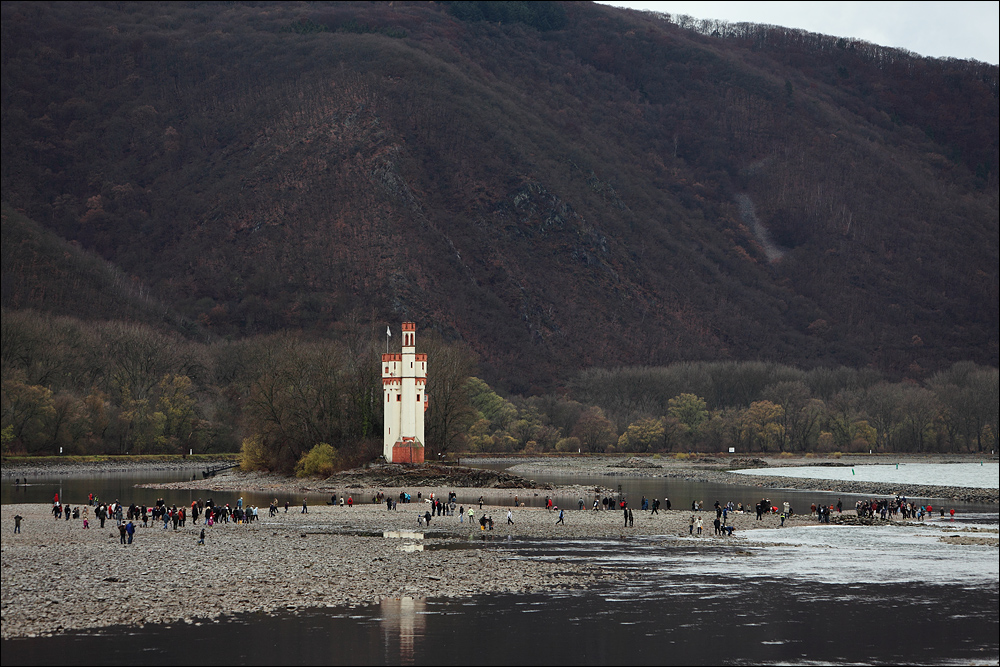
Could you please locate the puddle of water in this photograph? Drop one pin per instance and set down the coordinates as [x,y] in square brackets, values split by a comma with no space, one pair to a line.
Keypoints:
[452,546]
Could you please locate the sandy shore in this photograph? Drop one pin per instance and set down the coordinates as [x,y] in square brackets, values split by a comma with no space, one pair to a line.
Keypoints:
[56,576]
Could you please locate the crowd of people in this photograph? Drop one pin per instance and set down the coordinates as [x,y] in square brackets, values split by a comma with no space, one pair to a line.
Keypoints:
[128,519]
[896,507]
[209,513]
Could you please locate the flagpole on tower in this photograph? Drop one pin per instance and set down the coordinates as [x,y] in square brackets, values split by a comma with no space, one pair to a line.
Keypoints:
[388,335]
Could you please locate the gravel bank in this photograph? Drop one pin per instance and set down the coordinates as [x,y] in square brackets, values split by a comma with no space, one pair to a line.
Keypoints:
[362,484]
[56,576]
[882,489]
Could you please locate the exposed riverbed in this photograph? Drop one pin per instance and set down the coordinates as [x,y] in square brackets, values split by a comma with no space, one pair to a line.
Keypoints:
[59,578]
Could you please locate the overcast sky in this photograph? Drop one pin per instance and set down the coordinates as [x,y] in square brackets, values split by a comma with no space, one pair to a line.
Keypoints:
[939,29]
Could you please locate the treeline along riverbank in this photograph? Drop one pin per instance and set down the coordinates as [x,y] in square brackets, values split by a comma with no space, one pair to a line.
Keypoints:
[87,388]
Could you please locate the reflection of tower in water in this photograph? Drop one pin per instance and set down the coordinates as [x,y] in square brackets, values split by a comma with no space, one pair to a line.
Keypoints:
[402,619]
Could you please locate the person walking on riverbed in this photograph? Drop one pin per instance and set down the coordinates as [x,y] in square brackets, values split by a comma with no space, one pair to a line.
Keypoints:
[17,523]
[561,518]
[510,518]
[305,509]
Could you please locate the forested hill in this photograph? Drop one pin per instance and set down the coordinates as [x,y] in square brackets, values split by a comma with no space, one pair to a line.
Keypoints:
[561,185]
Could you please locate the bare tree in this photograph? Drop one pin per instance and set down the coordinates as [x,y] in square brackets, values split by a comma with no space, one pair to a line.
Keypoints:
[449,415]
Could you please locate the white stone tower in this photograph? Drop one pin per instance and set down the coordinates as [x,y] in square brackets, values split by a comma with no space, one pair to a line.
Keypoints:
[404,381]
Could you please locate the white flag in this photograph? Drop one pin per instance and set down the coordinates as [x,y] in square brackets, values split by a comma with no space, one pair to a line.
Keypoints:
[388,333]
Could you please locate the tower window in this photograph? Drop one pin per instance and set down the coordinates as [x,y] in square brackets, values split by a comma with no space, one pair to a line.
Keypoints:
[418,398]
[399,397]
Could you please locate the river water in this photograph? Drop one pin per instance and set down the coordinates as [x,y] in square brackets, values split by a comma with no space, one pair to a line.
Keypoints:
[817,594]
[981,475]
[109,486]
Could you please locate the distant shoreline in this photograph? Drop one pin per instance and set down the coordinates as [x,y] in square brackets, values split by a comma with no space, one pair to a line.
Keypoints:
[698,468]
[22,467]
[716,470]
[703,469]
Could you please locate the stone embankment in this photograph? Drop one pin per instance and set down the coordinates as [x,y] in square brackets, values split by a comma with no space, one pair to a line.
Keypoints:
[14,470]
[57,576]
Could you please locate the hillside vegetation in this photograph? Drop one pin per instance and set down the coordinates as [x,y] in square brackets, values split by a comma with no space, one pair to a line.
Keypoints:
[548,187]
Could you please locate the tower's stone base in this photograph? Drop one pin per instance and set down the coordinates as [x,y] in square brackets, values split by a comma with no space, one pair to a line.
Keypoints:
[407,453]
